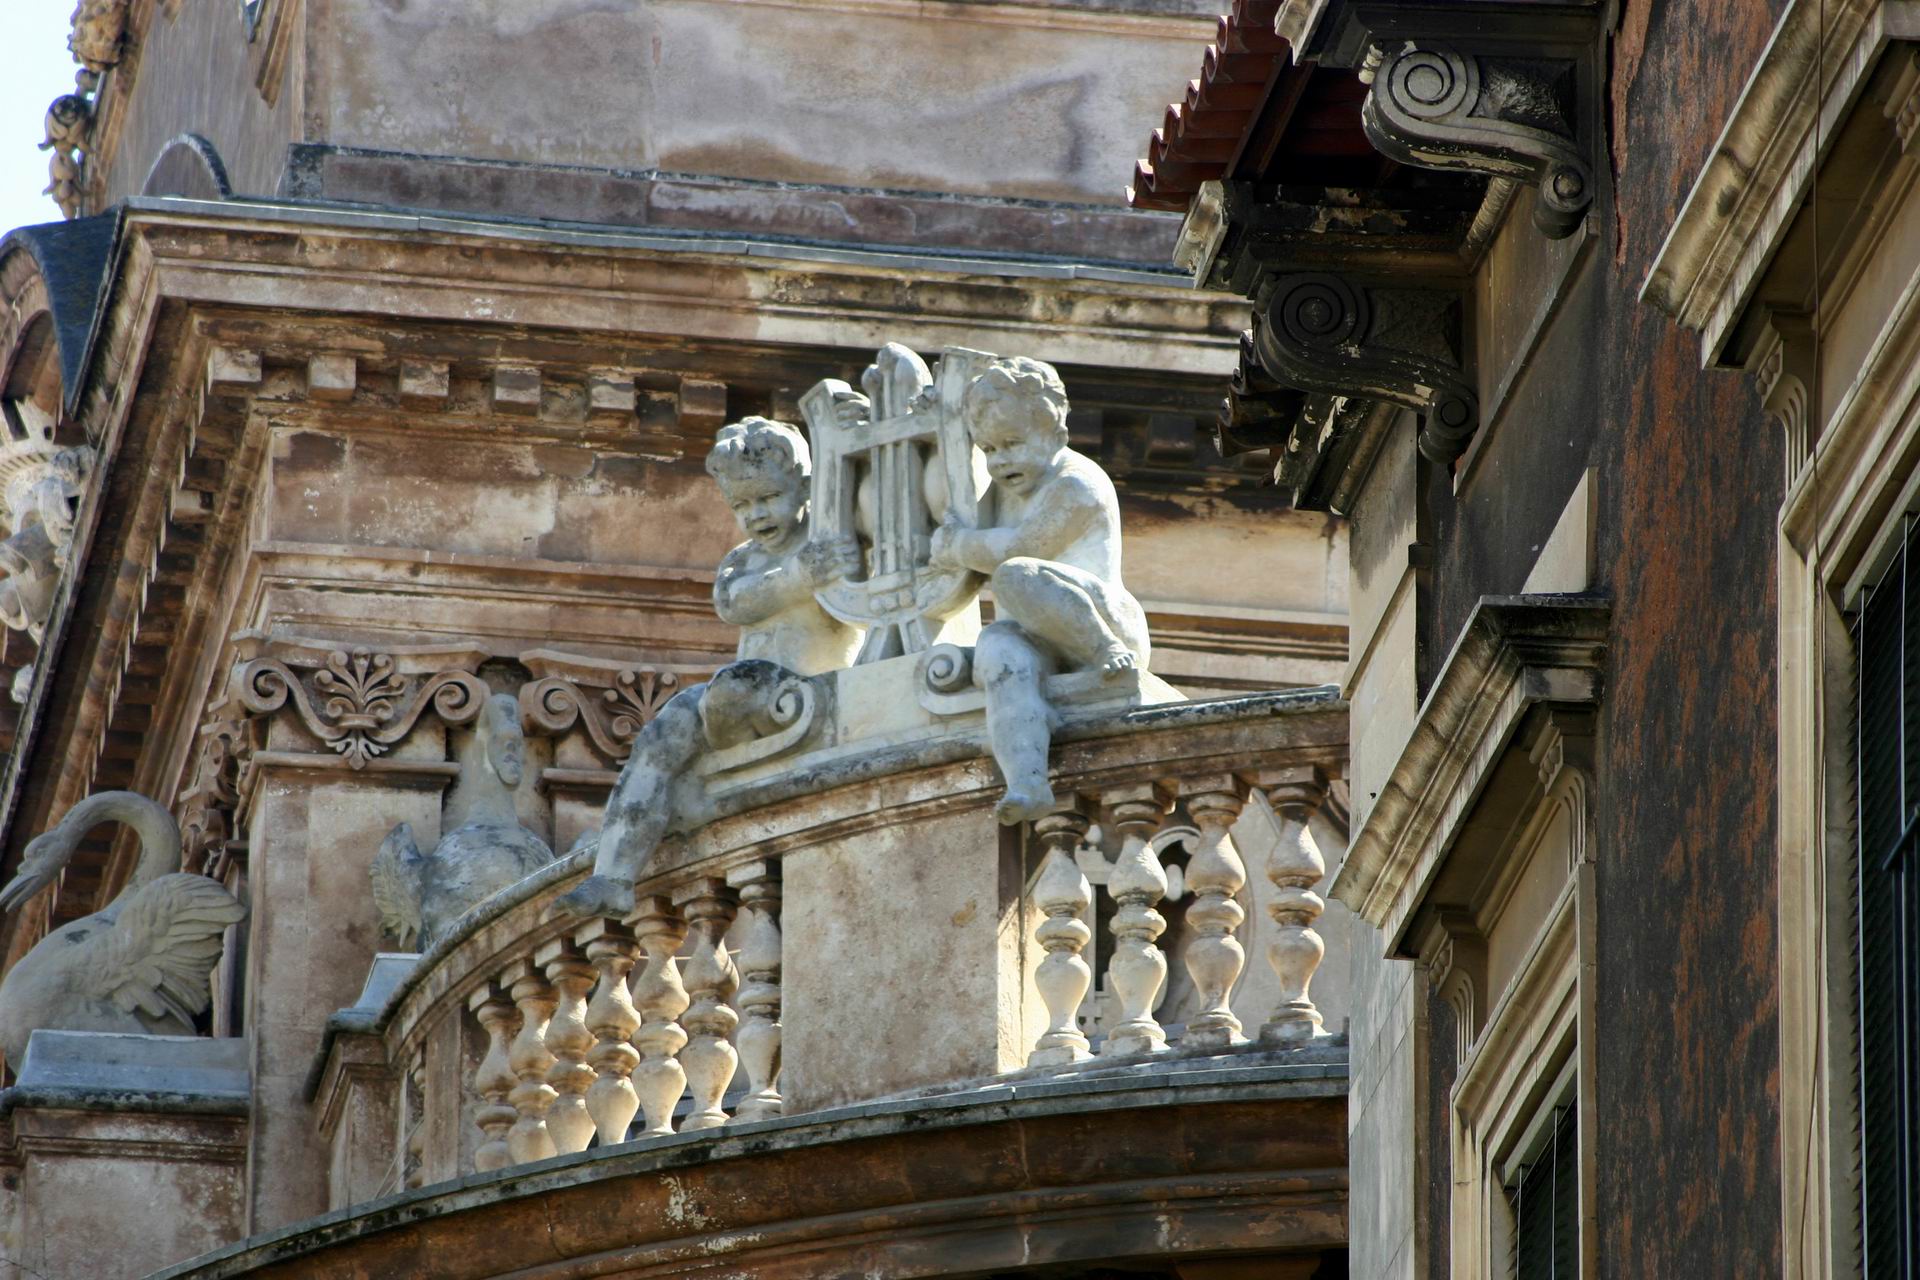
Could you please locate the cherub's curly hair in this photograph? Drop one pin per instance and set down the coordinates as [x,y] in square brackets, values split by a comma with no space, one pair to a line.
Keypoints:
[1020,387]
[758,445]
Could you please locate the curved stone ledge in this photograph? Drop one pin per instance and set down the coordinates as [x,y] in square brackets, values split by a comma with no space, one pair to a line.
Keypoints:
[1215,1156]
[888,787]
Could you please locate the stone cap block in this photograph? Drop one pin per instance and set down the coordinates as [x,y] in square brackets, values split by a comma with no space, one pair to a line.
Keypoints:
[113,1064]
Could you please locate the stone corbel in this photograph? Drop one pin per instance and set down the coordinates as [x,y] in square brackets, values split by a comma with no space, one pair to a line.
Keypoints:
[1322,333]
[1440,106]
[1455,957]
[357,700]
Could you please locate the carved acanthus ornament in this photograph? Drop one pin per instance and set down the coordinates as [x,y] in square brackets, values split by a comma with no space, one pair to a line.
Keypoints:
[1442,107]
[360,701]
[99,33]
[611,701]
[1322,333]
[209,809]
[42,483]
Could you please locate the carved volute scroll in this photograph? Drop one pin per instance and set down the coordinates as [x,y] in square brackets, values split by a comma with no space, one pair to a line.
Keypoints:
[1440,107]
[611,701]
[1320,332]
[358,700]
[888,465]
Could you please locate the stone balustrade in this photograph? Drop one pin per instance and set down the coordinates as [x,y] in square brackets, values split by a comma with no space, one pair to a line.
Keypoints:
[873,933]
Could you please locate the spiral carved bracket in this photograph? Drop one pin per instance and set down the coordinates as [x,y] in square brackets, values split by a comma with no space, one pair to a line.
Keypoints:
[1321,333]
[1438,107]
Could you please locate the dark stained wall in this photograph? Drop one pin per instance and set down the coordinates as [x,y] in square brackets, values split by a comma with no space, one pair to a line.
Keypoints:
[1689,478]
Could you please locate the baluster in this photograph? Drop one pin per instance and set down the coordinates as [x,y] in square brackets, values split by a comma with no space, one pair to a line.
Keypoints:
[1138,967]
[760,959]
[709,1056]
[569,1041]
[1295,867]
[494,1077]
[1063,977]
[532,1096]
[1215,873]
[659,1079]
[612,1019]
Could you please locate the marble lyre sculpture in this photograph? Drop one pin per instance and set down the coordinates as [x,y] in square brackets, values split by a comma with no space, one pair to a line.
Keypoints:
[419,895]
[767,586]
[928,485]
[138,966]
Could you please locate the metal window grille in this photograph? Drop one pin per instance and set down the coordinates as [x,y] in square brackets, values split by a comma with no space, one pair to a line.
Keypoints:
[1886,943]
[1546,1206]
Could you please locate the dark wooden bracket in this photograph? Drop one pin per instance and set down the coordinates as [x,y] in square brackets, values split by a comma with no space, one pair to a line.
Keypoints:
[1322,333]
[1439,106]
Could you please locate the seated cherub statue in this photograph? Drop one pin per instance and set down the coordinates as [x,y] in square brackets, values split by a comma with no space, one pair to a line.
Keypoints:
[1052,553]
[766,587]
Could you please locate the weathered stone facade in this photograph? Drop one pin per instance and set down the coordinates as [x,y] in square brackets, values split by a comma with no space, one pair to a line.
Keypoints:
[374,387]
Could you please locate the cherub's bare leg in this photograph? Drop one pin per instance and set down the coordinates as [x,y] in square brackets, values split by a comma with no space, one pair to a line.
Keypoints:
[1050,604]
[1009,667]
[639,810]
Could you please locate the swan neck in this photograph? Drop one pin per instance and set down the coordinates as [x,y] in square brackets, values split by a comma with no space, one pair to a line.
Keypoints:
[159,836]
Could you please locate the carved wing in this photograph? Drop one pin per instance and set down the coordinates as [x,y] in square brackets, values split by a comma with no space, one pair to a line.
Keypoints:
[396,884]
[164,942]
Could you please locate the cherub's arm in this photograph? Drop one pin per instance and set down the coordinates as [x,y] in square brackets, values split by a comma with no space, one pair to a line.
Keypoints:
[1056,517]
[746,597]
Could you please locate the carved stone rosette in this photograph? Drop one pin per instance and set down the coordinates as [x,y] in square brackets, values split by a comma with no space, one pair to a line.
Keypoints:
[1320,332]
[1439,107]
[360,701]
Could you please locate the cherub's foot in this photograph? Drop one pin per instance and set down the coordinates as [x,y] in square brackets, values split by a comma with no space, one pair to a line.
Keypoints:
[1024,805]
[597,896]
[1117,661]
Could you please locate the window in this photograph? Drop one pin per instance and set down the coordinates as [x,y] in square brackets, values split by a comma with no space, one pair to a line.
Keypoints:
[1887,921]
[1545,1199]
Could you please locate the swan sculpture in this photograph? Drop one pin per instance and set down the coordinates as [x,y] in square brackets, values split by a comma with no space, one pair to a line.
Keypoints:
[420,895]
[141,964]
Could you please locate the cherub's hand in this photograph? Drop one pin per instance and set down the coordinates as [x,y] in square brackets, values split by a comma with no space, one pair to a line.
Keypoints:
[850,408]
[944,554]
[826,562]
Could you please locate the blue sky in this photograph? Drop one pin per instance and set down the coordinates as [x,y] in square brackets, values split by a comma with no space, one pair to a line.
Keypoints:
[35,68]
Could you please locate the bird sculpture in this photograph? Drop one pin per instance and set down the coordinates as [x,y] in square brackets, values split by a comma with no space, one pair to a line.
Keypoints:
[141,964]
[420,895]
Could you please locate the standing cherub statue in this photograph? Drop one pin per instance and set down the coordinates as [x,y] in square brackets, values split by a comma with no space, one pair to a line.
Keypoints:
[765,587]
[1052,553]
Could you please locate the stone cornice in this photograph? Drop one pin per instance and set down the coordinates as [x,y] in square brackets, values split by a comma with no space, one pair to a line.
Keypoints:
[1755,179]
[1514,653]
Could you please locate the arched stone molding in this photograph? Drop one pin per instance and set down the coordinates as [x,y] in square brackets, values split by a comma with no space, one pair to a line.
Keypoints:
[189,166]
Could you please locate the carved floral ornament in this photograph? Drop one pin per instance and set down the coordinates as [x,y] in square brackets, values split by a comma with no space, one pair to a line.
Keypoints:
[360,702]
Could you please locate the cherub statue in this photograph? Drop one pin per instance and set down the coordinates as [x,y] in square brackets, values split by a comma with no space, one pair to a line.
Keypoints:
[1052,554]
[419,895]
[765,587]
